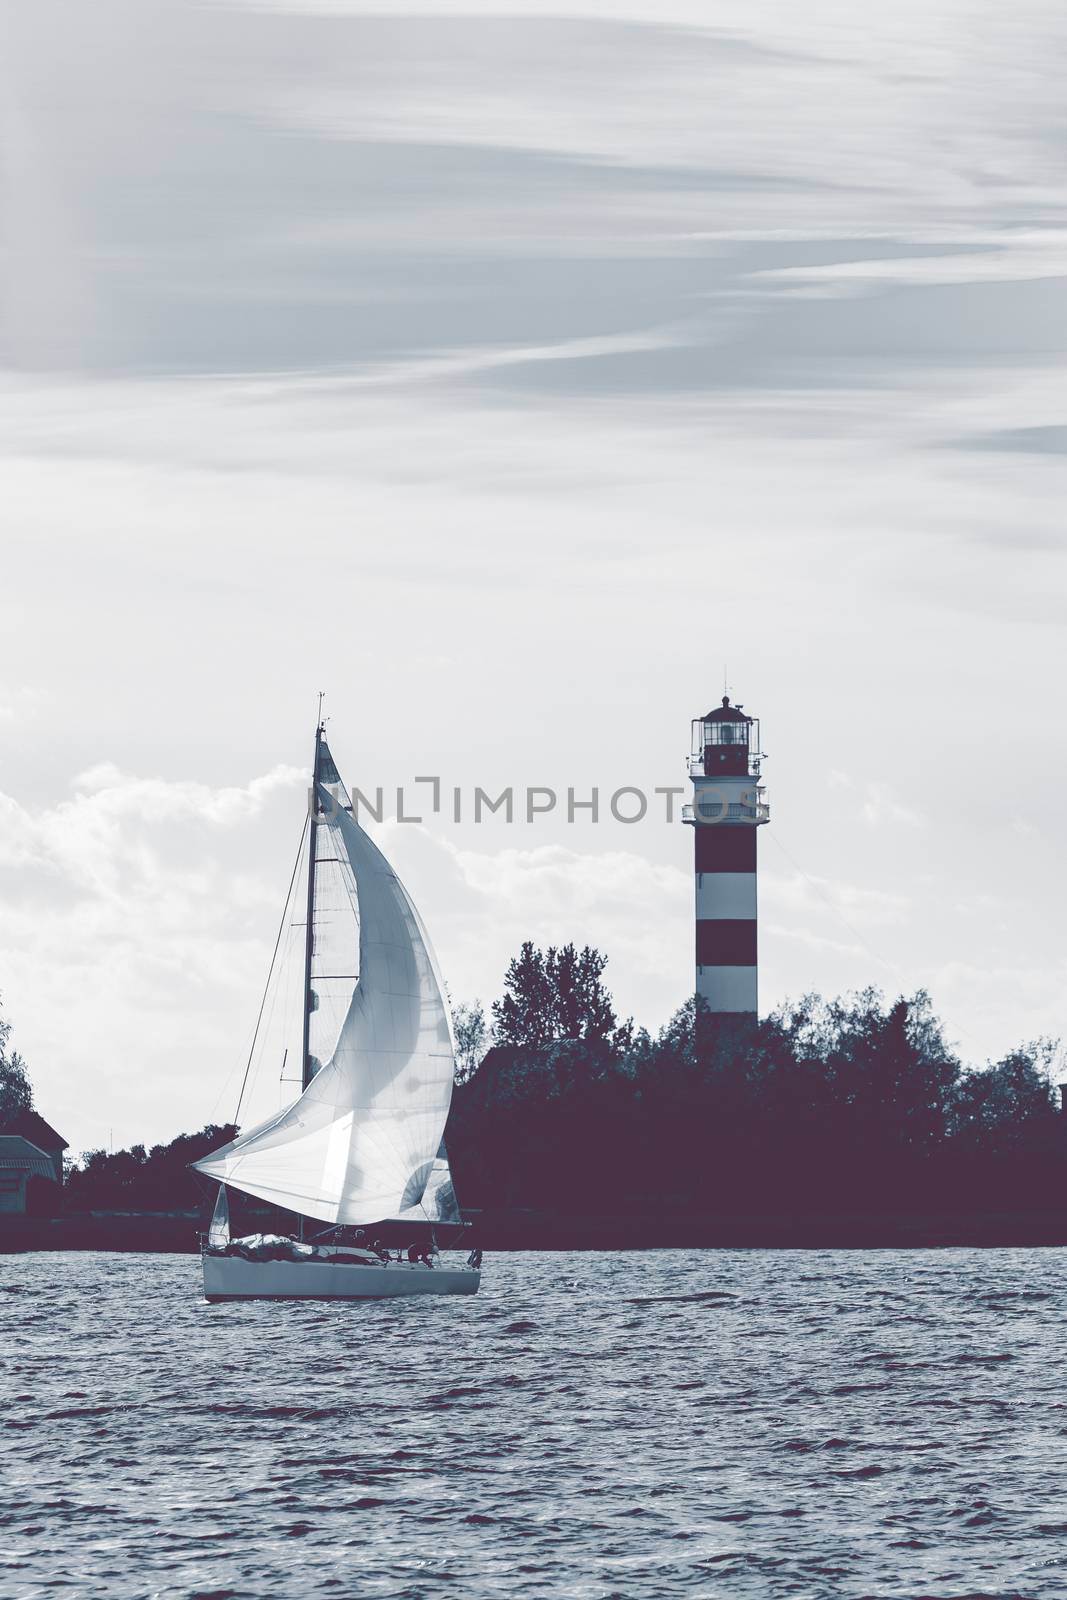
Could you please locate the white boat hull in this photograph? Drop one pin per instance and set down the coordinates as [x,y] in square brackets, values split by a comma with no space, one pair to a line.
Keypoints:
[233,1278]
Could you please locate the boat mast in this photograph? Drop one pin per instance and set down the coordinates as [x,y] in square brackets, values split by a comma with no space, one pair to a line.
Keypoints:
[309,929]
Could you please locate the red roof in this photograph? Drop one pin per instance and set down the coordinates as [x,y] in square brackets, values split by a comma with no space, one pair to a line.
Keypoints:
[36,1130]
[727,713]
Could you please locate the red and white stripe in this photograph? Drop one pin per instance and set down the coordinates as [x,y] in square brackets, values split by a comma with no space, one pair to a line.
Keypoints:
[727,809]
[725,866]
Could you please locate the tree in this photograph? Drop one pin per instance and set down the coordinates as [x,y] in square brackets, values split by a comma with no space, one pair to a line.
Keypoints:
[524,1015]
[552,994]
[887,1067]
[584,1009]
[472,1037]
[998,1105]
[15,1092]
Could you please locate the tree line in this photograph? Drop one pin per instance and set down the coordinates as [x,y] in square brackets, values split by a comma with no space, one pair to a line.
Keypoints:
[158,1179]
[826,1106]
[850,1105]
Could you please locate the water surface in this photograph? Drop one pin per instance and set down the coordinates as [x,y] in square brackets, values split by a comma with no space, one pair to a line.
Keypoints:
[664,1424]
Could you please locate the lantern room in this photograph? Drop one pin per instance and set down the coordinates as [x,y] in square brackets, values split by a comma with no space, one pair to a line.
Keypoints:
[725,743]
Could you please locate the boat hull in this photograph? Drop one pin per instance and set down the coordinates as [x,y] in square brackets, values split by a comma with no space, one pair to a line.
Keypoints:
[233,1278]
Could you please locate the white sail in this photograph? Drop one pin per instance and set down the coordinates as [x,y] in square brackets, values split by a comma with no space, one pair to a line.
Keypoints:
[218,1233]
[438,1203]
[335,956]
[361,1142]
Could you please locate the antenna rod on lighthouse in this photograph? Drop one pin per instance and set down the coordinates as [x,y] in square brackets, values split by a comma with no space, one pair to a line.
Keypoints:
[309,928]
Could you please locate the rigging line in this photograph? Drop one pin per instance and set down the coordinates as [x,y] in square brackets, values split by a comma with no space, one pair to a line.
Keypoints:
[273,959]
[224,1089]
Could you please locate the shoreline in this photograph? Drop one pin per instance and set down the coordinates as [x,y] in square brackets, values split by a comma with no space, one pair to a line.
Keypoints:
[528,1230]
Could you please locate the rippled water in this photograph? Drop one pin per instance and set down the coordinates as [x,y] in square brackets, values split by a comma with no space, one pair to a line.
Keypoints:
[720,1423]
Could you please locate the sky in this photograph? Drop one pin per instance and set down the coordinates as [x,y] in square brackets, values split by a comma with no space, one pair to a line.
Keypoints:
[518,379]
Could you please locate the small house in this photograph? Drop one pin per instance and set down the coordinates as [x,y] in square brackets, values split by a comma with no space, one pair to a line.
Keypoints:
[31,1156]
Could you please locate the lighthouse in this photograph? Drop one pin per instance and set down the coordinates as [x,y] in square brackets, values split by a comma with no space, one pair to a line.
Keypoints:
[728,806]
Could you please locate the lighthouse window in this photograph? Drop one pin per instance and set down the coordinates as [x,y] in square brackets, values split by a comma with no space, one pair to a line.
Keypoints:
[726,733]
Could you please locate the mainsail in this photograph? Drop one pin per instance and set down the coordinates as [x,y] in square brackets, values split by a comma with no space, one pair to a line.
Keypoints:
[363,1143]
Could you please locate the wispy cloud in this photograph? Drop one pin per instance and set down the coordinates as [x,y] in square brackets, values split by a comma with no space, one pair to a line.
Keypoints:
[101,838]
[877,803]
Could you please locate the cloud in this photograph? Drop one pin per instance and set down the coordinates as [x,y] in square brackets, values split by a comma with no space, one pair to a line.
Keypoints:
[1022,256]
[220,193]
[881,806]
[128,931]
[20,701]
[100,838]
[481,904]
[801,896]
[1045,439]
[972,991]
[877,803]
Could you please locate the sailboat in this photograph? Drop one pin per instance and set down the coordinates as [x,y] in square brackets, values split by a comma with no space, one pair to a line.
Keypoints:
[363,1144]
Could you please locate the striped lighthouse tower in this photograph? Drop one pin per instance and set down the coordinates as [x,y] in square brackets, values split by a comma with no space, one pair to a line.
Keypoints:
[728,806]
